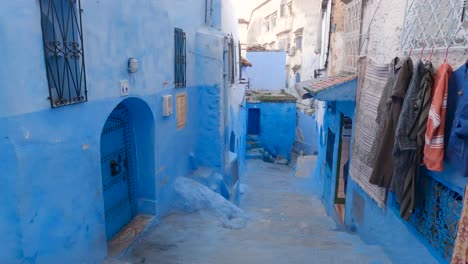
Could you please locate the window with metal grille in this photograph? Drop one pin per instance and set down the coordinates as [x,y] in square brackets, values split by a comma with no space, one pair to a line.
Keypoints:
[437,24]
[62,37]
[436,215]
[180,64]
[351,35]
[330,148]
[231,60]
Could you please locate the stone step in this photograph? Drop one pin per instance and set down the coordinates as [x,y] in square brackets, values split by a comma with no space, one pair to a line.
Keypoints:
[252,144]
[255,153]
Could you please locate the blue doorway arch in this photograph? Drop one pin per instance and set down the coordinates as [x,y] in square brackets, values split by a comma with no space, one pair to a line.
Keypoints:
[127,164]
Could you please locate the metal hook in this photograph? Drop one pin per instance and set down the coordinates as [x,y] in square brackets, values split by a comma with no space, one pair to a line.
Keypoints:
[422,51]
[446,55]
[432,53]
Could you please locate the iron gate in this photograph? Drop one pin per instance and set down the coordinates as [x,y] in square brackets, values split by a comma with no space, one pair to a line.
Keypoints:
[117,171]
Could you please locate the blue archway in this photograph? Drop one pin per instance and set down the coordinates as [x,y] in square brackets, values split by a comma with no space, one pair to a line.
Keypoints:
[127,164]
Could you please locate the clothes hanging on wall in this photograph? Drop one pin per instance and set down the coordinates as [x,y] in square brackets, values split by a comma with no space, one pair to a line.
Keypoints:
[457,120]
[410,141]
[434,139]
[383,107]
[383,168]
[405,143]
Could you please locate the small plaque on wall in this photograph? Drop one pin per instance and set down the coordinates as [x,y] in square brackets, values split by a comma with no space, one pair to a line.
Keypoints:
[181,102]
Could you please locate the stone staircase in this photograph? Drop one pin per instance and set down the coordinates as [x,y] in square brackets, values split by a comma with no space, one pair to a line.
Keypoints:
[256,151]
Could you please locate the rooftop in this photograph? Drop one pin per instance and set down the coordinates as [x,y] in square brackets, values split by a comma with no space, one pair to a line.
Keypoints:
[269,96]
[341,87]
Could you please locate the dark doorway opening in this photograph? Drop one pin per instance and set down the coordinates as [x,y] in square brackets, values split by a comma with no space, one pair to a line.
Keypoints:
[253,127]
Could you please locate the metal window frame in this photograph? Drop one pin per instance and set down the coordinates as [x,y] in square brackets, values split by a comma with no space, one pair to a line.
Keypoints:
[351,36]
[231,60]
[180,58]
[449,18]
[62,36]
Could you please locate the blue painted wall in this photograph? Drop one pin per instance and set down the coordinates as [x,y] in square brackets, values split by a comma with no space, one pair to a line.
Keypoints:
[306,134]
[277,127]
[238,122]
[53,208]
[375,225]
[268,71]
[326,177]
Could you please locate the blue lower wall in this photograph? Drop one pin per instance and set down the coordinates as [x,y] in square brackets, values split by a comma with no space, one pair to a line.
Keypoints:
[382,226]
[53,208]
[306,141]
[277,127]
[375,225]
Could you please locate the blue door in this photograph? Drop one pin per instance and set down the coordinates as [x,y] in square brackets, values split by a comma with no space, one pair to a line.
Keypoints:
[253,127]
[116,170]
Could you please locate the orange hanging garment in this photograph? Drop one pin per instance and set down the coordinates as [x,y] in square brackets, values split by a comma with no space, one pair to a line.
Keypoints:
[434,139]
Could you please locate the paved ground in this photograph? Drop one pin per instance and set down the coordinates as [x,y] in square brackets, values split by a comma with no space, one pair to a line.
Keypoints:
[287,226]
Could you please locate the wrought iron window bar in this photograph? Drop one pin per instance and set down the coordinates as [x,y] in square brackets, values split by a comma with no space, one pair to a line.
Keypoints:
[62,34]
[435,218]
[435,25]
[180,78]
[231,59]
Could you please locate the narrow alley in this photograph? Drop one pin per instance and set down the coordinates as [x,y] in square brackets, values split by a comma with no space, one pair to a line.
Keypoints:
[287,224]
[234,131]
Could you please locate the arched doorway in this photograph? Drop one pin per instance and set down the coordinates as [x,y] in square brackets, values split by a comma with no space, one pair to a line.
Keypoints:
[128,182]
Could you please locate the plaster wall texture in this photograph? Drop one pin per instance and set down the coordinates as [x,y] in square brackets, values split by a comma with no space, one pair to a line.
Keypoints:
[385,31]
[268,71]
[336,58]
[243,29]
[256,31]
[277,127]
[307,16]
[51,157]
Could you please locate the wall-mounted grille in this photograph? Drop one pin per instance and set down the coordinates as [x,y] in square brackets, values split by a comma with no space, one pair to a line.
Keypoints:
[180,79]
[231,59]
[436,216]
[437,24]
[63,49]
[352,29]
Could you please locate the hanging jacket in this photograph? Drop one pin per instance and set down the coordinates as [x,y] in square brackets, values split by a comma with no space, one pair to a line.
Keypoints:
[416,133]
[457,121]
[383,166]
[434,139]
[405,138]
[383,108]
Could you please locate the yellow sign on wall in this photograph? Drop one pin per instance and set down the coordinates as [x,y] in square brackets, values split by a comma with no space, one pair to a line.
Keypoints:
[181,105]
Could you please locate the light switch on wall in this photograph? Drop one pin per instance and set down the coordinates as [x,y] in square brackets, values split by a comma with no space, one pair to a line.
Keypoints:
[124,88]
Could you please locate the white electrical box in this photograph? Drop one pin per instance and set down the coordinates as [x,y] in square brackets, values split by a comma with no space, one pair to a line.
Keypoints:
[167,105]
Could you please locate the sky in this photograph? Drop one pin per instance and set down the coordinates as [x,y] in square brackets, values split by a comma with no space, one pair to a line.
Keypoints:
[244,7]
